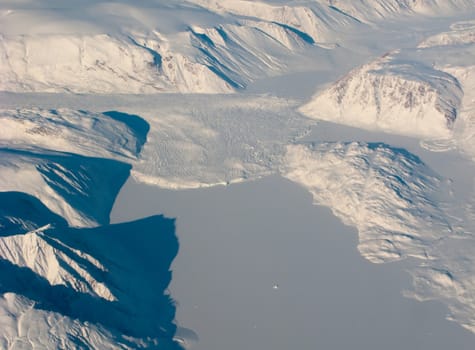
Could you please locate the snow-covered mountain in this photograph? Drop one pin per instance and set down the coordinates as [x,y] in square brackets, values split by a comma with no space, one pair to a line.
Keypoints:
[413,91]
[62,156]
[370,10]
[383,191]
[460,40]
[108,135]
[52,329]
[63,285]
[69,279]
[399,96]
[65,288]
[460,33]
[425,91]
[401,209]
[202,46]
[140,55]
[65,183]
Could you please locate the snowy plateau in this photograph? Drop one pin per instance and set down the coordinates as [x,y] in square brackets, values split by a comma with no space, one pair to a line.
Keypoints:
[369,106]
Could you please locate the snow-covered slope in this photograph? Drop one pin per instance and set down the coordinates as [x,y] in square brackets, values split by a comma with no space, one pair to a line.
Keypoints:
[63,285]
[395,95]
[53,155]
[460,33]
[388,194]
[240,53]
[201,46]
[379,9]
[51,330]
[24,242]
[449,277]
[145,56]
[96,63]
[52,260]
[401,209]
[67,288]
[83,133]
[21,213]
[77,288]
[65,183]
[465,130]
[460,40]
[314,20]
[420,91]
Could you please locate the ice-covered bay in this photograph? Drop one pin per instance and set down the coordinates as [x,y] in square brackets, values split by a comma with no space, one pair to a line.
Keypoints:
[253,264]
[276,272]
[402,198]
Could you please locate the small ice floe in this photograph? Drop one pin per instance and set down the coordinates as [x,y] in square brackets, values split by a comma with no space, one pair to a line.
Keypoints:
[185,337]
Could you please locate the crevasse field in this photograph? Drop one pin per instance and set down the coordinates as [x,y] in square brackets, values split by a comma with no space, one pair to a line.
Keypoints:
[234,174]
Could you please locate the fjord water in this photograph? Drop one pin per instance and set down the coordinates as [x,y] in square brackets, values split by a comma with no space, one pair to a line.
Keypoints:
[260,267]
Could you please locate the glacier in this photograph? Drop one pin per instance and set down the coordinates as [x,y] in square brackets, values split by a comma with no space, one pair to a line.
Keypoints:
[94,93]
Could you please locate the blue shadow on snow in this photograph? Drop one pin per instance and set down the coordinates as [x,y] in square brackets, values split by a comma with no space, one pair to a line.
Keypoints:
[136,256]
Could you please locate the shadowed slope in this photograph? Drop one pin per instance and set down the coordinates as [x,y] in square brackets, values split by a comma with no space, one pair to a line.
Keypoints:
[80,189]
[131,260]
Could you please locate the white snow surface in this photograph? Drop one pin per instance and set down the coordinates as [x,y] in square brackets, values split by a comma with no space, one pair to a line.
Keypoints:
[36,251]
[143,56]
[420,92]
[388,194]
[460,41]
[51,330]
[64,183]
[69,131]
[53,155]
[315,18]
[370,10]
[460,33]
[81,287]
[73,161]
[398,96]
[449,277]
[401,209]
[193,143]
[199,46]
